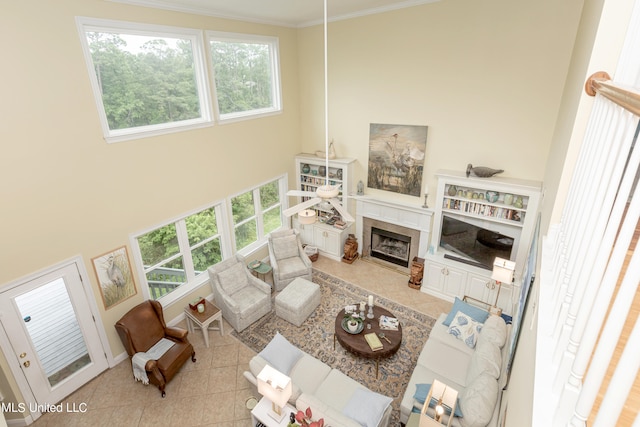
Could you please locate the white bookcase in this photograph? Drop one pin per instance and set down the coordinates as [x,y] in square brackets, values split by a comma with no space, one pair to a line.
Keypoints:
[310,174]
[504,206]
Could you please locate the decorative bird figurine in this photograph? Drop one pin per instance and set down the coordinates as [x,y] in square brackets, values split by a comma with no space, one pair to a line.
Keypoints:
[482,171]
[114,273]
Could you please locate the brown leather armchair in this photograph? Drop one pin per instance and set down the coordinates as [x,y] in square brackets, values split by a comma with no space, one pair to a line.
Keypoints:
[141,328]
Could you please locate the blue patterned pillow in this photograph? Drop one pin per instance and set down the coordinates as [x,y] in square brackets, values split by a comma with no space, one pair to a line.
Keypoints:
[465,328]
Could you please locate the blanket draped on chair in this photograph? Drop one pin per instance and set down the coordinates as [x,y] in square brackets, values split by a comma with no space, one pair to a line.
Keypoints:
[139,360]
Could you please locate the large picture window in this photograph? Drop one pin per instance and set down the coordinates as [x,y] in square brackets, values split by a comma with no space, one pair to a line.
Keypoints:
[175,256]
[246,74]
[256,213]
[146,79]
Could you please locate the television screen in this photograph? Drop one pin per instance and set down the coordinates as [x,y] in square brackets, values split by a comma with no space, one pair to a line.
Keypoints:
[473,245]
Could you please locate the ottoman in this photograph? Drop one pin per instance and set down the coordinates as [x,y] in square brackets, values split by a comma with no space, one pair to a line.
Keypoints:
[297,301]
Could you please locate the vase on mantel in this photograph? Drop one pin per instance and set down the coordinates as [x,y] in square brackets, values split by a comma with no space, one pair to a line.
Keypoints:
[508,199]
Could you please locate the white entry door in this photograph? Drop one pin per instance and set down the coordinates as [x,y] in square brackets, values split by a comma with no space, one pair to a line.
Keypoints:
[52,334]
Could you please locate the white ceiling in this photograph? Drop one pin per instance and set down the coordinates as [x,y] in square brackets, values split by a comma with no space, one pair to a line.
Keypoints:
[290,13]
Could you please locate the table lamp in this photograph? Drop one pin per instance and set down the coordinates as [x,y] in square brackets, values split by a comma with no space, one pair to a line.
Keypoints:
[276,387]
[502,273]
[440,401]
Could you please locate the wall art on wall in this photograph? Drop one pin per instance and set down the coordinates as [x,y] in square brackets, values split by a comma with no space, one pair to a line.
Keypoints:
[115,277]
[396,157]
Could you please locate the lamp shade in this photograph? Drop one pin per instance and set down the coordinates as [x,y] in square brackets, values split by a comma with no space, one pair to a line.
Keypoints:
[307,216]
[503,270]
[275,386]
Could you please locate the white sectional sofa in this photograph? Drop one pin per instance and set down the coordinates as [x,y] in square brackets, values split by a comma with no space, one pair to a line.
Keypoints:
[330,394]
[478,374]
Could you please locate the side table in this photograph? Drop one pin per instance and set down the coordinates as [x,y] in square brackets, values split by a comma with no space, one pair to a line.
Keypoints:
[414,420]
[260,268]
[260,414]
[203,320]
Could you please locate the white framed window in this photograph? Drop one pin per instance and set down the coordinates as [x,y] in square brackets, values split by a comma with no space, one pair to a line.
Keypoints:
[256,213]
[147,79]
[174,257]
[246,75]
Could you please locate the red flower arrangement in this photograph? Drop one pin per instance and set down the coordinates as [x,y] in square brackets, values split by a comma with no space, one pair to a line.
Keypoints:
[304,418]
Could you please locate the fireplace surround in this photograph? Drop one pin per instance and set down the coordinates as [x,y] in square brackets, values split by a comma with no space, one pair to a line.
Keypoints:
[394,228]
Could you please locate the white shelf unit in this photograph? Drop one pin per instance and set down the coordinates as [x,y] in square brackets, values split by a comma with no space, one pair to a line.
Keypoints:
[309,176]
[513,213]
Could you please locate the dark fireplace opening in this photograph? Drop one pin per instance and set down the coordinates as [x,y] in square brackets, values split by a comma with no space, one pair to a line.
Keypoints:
[389,246]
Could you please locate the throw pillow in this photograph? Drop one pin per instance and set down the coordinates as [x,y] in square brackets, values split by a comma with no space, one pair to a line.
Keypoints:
[366,407]
[233,278]
[494,330]
[465,328]
[285,247]
[422,391]
[476,313]
[281,354]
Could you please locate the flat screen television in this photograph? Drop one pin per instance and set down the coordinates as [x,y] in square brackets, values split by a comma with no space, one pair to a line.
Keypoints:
[473,244]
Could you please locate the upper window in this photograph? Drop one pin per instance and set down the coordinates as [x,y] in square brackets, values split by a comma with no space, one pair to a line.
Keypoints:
[245,73]
[256,213]
[175,256]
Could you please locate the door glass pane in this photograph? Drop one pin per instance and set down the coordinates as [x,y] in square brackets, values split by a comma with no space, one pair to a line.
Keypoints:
[54,331]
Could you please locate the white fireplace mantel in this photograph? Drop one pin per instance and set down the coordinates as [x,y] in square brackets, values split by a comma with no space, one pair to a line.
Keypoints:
[405,215]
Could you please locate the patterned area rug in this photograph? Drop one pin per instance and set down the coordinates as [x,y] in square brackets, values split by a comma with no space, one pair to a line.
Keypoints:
[315,336]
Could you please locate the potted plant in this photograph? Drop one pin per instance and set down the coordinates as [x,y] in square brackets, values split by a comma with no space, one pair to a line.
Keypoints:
[304,419]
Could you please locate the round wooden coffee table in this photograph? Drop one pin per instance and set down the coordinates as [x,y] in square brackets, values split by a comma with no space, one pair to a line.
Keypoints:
[357,344]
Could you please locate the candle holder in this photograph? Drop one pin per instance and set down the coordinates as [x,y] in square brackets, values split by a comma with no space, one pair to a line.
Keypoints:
[370,313]
[362,314]
[425,200]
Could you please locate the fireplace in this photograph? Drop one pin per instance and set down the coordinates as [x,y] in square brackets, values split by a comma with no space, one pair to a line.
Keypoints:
[389,246]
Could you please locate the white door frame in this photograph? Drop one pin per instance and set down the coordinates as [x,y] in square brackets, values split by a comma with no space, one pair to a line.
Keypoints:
[5,344]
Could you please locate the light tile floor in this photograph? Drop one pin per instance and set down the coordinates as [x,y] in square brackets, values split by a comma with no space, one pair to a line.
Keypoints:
[213,391]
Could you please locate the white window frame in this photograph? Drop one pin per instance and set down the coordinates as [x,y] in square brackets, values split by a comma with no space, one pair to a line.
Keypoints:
[85,25]
[193,282]
[261,239]
[276,89]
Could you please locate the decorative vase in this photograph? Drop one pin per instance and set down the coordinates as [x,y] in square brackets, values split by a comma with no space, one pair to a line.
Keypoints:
[452,191]
[339,174]
[352,325]
[322,170]
[518,202]
[508,199]
[360,188]
[306,168]
[492,196]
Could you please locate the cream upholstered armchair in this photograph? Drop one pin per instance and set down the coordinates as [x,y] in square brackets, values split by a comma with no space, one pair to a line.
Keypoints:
[242,297]
[287,258]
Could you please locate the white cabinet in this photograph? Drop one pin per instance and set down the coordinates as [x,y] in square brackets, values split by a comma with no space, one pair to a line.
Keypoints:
[328,239]
[443,279]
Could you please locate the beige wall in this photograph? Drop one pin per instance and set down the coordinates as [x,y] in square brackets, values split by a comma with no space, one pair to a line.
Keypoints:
[65,192]
[485,76]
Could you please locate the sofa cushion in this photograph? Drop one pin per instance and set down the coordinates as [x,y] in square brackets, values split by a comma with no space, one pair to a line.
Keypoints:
[448,362]
[478,401]
[285,246]
[281,354]
[487,359]
[464,328]
[233,279]
[494,330]
[309,373]
[291,267]
[476,313]
[366,407]
[420,396]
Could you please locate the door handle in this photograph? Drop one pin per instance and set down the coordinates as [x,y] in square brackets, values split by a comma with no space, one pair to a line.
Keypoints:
[23,355]
[27,364]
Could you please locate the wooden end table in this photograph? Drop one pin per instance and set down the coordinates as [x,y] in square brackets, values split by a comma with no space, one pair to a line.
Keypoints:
[204,320]
[357,344]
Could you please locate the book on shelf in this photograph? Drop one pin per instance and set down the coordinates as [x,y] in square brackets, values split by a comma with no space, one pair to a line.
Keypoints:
[373,341]
[388,323]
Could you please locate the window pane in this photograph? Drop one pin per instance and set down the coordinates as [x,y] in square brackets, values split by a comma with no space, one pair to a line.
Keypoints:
[246,234]
[269,195]
[166,278]
[243,76]
[201,226]
[159,245]
[206,255]
[242,207]
[144,80]
[272,220]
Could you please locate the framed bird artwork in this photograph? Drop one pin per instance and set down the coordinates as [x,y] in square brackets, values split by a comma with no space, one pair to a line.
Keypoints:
[113,270]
